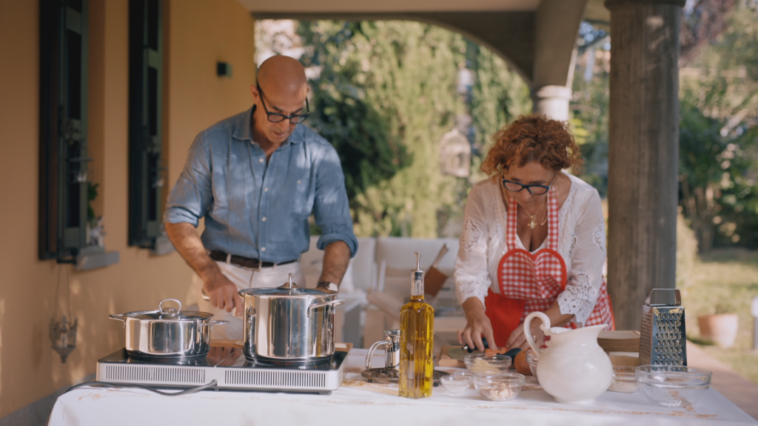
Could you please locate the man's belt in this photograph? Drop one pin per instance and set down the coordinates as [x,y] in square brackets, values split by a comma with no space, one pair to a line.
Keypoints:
[245,262]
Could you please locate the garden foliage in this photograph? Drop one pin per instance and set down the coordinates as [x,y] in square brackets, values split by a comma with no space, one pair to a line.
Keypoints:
[719,134]
[384,94]
[718,167]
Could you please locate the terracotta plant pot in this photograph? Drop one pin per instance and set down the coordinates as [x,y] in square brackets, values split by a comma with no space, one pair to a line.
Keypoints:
[720,329]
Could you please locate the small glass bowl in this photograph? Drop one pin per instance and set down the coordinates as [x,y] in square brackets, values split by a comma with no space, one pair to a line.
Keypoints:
[455,384]
[624,379]
[471,358]
[673,386]
[532,359]
[477,363]
[499,387]
[468,375]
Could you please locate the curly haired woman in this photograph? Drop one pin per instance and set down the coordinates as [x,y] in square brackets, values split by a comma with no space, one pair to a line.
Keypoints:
[533,239]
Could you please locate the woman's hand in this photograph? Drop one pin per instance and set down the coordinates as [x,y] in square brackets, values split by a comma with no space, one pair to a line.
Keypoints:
[477,325]
[518,339]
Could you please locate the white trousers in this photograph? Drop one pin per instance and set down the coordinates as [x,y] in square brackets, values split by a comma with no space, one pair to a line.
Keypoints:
[244,278]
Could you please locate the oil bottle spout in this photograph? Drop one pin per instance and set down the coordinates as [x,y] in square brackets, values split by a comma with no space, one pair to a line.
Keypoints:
[417,274]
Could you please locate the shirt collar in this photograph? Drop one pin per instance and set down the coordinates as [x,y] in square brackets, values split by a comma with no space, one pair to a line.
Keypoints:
[244,124]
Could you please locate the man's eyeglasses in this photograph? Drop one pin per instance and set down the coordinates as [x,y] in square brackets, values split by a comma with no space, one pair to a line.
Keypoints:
[276,117]
[533,189]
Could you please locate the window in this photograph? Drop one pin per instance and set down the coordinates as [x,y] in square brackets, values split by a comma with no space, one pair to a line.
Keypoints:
[63,128]
[146,172]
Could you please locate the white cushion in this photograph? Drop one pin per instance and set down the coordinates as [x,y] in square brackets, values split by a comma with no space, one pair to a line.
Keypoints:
[399,260]
[358,274]
[363,271]
[398,252]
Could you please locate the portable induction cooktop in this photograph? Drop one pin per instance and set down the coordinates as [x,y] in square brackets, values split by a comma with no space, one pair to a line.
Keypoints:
[230,369]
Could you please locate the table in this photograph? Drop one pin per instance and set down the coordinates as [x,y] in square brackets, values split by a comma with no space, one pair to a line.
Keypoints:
[360,403]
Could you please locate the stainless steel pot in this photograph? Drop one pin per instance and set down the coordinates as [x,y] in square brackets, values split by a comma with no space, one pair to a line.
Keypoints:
[167,332]
[289,323]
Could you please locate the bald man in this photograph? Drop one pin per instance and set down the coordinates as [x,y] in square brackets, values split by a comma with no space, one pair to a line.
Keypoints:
[256,177]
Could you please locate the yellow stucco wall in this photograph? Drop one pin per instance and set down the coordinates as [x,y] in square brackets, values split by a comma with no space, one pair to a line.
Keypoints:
[198,33]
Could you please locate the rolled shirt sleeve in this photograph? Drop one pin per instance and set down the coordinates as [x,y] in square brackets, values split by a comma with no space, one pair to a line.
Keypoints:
[192,195]
[330,206]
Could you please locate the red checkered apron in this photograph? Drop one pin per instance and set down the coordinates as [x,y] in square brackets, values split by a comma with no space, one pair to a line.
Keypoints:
[532,282]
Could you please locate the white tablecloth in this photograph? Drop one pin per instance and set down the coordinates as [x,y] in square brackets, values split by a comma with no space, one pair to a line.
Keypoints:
[364,404]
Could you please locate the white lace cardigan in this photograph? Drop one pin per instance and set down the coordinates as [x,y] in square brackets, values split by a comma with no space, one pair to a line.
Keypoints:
[581,243]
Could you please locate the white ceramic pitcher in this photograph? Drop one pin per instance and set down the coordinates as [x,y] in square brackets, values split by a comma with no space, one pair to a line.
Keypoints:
[574,368]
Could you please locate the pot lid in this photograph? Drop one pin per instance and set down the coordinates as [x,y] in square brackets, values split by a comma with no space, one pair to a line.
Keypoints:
[169,313]
[290,288]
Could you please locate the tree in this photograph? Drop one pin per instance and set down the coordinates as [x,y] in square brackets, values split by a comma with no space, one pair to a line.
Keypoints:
[719,122]
[590,105]
[384,97]
[702,22]
[499,96]
[719,115]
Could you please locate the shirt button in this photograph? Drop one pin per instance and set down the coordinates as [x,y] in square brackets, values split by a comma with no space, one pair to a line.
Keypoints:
[265,189]
[260,160]
[298,181]
[264,219]
[263,248]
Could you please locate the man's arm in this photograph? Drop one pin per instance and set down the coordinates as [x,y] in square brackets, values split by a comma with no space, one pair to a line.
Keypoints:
[336,260]
[332,215]
[188,201]
[223,293]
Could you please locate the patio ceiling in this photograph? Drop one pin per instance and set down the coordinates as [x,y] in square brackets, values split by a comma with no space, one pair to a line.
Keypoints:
[536,37]
[595,10]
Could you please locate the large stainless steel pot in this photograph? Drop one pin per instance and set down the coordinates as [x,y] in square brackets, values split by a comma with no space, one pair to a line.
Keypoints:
[289,323]
[167,332]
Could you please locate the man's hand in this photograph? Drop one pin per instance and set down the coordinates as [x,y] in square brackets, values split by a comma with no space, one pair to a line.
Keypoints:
[216,286]
[477,325]
[223,294]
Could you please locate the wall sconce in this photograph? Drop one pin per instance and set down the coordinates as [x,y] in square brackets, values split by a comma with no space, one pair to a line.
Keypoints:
[223,69]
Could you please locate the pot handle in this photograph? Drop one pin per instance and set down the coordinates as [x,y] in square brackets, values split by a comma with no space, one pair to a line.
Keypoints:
[333,303]
[118,317]
[212,323]
[370,354]
[545,327]
[165,311]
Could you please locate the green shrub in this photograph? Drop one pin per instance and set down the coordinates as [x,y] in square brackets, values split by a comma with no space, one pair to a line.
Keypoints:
[686,253]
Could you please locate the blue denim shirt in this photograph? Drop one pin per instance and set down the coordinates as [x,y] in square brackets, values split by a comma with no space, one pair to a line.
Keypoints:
[246,201]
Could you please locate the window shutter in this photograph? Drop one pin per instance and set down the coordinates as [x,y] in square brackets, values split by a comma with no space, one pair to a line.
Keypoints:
[145,125]
[63,127]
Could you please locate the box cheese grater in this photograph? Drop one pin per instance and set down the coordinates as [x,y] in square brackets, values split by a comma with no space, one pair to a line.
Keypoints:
[663,338]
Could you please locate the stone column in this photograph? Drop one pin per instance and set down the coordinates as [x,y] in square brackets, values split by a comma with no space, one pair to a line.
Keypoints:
[643,152]
[556,26]
[553,101]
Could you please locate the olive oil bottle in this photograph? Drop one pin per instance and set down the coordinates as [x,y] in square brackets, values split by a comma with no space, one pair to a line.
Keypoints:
[416,341]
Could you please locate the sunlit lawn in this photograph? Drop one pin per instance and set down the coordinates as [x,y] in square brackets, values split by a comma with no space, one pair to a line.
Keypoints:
[728,279]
